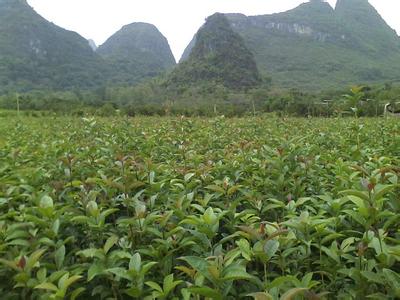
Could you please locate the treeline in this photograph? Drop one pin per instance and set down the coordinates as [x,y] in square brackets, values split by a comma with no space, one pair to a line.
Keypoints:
[156,98]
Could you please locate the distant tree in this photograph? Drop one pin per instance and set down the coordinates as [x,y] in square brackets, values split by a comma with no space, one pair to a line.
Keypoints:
[354,98]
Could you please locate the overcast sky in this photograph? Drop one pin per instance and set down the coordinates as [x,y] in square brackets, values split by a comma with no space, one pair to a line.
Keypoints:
[178,20]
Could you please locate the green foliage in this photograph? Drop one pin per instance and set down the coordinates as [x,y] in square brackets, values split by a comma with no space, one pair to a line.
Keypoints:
[151,98]
[315,47]
[136,52]
[36,54]
[179,208]
[219,56]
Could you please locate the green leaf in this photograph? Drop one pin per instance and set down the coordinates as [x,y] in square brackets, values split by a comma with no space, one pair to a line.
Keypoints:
[189,176]
[392,277]
[120,272]
[59,256]
[17,234]
[330,237]
[76,293]
[19,242]
[271,247]
[383,191]
[46,202]
[291,294]
[90,253]
[169,284]
[361,203]
[233,190]
[372,277]
[71,280]
[148,266]
[95,270]
[55,276]
[236,272]
[245,249]
[359,194]
[41,274]
[62,281]
[215,188]
[331,253]
[47,286]
[155,286]
[134,292]
[111,241]
[199,264]
[92,208]
[80,219]
[206,292]
[135,263]
[34,258]
[261,296]
[210,217]
[10,264]
[282,281]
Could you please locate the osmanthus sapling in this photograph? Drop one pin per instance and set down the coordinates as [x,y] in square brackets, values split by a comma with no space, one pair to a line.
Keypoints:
[197,208]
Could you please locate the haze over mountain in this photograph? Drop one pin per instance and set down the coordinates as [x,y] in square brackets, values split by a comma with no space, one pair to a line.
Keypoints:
[36,54]
[315,46]
[137,51]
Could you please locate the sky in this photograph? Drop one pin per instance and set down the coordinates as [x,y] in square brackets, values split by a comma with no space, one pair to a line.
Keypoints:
[178,20]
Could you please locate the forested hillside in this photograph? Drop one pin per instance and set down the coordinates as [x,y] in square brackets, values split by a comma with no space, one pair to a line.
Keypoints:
[316,47]
[35,54]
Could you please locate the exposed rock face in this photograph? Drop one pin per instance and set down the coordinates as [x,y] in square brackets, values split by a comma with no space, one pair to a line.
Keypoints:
[315,46]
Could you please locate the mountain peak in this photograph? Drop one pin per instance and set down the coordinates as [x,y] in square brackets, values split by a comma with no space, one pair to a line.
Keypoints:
[320,3]
[367,25]
[352,5]
[311,8]
[219,56]
[138,49]
[138,37]
[35,53]
[140,25]
[356,8]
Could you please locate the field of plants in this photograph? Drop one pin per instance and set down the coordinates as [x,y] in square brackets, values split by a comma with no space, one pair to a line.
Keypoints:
[175,208]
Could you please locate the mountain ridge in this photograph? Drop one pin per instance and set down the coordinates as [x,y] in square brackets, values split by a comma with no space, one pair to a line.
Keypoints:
[37,54]
[315,46]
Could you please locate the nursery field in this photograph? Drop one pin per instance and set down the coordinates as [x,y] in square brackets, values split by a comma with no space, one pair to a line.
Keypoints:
[176,208]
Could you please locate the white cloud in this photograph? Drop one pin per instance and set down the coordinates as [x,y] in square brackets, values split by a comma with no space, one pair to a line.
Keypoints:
[178,20]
